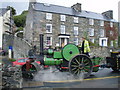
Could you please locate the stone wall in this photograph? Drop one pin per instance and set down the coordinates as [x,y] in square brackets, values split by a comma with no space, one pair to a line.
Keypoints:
[100,51]
[20,46]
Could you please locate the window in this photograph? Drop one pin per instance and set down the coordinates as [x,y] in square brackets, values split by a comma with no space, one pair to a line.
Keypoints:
[101,23]
[76,41]
[91,21]
[62,28]
[102,33]
[103,41]
[49,41]
[75,31]
[62,17]
[111,24]
[49,16]
[111,43]
[91,32]
[75,19]
[111,33]
[48,28]
[92,40]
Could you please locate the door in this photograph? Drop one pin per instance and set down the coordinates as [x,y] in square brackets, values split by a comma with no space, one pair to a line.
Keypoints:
[64,41]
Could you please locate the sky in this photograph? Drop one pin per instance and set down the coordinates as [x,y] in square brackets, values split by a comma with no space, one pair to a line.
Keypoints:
[97,6]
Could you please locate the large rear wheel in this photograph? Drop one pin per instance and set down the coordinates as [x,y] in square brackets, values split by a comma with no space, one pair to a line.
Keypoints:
[80,65]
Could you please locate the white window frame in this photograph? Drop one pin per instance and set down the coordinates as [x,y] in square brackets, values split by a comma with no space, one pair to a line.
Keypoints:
[49,16]
[103,42]
[76,40]
[62,29]
[47,31]
[50,41]
[111,24]
[91,21]
[92,40]
[101,23]
[75,31]
[62,18]
[76,19]
[102,32]
[91,31]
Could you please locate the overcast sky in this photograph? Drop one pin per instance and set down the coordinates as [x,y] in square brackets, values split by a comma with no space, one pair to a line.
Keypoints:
[97,6]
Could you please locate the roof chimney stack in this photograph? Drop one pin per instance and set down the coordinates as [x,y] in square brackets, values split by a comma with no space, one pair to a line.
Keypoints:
[108,14]
[77,7]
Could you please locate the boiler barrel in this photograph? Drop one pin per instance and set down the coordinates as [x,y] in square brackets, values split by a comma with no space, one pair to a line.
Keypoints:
[51,61]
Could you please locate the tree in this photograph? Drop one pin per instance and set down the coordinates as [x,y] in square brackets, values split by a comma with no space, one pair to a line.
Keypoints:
[12,9]
[20,19]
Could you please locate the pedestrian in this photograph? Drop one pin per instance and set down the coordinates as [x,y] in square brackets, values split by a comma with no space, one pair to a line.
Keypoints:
[84,46]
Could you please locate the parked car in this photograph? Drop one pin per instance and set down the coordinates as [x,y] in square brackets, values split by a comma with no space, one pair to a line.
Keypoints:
[22,61]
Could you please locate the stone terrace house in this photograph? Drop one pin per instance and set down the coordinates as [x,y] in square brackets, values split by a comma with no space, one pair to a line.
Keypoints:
[61,25]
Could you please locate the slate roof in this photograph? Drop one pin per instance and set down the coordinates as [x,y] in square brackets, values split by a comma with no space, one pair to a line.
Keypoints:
[3,11]
[69,11]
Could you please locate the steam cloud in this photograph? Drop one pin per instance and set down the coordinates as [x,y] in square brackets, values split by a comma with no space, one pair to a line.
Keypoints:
[52,74]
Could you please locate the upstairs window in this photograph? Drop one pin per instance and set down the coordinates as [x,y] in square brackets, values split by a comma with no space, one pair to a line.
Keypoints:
[101,23]
[91,21]
[75,31]
[49,41]
[111,24]
[102,33]
[75,19]
[62,28]
[48,28]
[91,32]
[62,17]
[49,16]
[111,33]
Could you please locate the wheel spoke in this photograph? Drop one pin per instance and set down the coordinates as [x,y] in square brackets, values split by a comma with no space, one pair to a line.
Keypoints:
[74,62]
[74,66]
[74,69]
[77,61]
[75,72]
[82,60]
[86,64]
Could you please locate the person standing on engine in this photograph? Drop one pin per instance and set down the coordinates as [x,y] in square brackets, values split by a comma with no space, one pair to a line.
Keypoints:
[84,47]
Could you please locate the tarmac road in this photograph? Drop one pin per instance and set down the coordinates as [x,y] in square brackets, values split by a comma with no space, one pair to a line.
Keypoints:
[104,78]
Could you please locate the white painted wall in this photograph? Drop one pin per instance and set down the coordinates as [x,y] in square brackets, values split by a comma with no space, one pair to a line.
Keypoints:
[1,30]
[119,11]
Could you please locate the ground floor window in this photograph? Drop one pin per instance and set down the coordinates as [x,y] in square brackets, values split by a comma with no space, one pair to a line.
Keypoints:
[49,41]
[103,41]
[76,41]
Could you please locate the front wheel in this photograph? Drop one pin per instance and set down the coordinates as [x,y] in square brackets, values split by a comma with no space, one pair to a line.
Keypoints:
[80,65]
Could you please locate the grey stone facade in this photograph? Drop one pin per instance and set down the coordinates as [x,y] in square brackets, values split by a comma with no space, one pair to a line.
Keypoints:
[36,24]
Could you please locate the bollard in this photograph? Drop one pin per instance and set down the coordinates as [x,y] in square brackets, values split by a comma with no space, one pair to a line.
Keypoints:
[10,52]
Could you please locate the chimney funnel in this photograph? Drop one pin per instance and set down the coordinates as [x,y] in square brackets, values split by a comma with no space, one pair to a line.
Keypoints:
[77,7]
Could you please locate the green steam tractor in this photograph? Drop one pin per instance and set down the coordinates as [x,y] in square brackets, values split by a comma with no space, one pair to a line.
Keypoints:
[70,58]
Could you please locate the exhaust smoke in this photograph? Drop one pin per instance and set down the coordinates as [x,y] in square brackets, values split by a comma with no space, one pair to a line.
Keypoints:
[53,74]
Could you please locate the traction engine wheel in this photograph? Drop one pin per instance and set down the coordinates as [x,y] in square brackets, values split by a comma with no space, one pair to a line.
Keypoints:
[29,74]
[80,65]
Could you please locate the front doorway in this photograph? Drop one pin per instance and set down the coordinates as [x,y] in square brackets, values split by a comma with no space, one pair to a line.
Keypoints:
[63,40]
